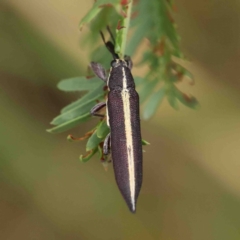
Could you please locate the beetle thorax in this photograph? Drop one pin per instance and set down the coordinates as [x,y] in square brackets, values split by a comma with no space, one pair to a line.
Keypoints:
[120,76]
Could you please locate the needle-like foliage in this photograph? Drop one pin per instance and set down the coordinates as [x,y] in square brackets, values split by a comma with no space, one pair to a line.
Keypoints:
[150,21]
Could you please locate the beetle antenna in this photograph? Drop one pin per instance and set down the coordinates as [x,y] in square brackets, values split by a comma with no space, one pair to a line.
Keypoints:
[110,46]
[111,34]
[103,38]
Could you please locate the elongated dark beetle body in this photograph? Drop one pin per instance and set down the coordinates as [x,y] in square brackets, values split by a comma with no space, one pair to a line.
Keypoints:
[124,123]
[123,119]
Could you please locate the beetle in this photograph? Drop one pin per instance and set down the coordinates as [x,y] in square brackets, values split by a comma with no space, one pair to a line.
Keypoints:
[122,116]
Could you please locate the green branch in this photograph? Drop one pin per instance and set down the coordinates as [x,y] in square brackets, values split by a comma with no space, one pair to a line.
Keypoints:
[153,21]
[122,30]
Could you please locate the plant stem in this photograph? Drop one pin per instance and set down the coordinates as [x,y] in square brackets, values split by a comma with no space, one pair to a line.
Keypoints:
[122,30]
[126,23]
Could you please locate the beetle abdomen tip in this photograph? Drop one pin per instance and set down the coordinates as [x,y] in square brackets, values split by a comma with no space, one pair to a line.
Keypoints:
[133,209]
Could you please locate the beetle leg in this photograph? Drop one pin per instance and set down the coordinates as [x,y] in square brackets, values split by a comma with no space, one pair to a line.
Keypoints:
[106,145]
[96,108]
[99,70]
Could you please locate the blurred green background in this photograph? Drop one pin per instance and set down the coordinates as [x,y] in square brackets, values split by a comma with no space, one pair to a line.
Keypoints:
[191,188]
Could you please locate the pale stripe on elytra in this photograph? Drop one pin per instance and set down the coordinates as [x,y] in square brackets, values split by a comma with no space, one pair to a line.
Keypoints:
[129,137]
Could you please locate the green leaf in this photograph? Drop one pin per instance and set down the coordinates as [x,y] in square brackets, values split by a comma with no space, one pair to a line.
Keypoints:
[78,84]
[69,124]
[109,17]
[95,94]
[138,80]
[137,37]
[153,103]
[189,75]
[144,142]
[101,55]
[93,141]
[89,16]
[188,101]
[95,10]
[146,90]
[103,129]
[74,113]
[85,158]
[100,152]
[172,99]
[80,107]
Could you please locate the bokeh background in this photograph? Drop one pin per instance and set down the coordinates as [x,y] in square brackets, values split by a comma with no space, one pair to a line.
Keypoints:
[191,188]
